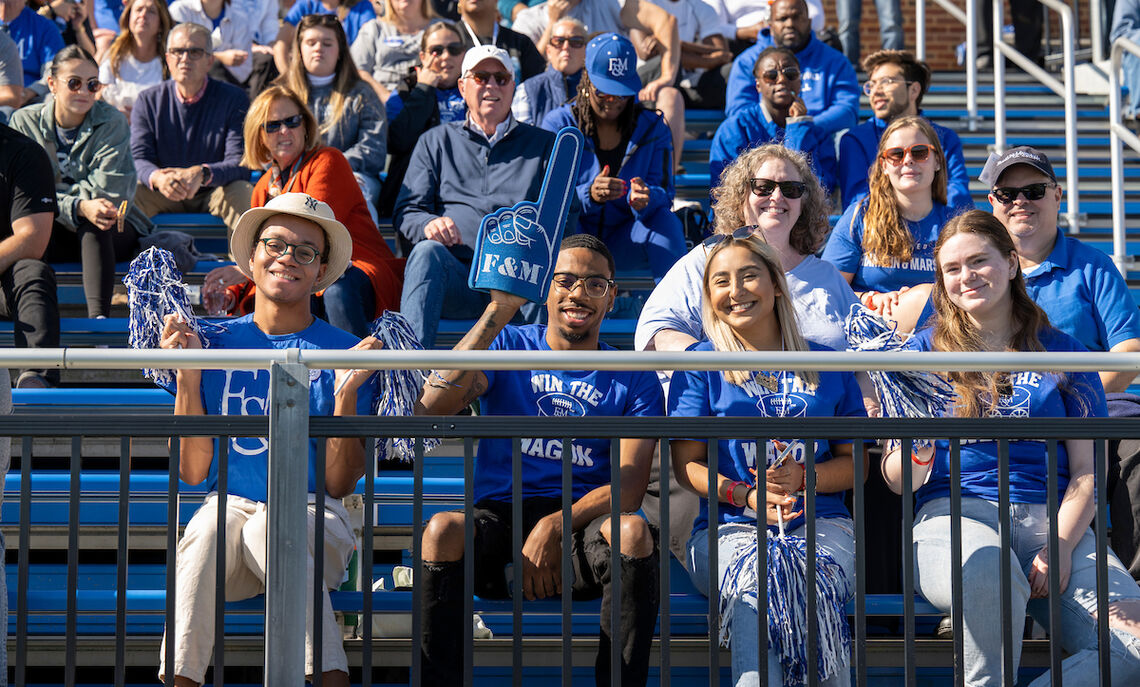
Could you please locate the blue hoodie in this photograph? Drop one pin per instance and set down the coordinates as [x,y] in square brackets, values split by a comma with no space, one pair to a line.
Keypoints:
[859,146]
[649,155]
[752,127]
[830,88]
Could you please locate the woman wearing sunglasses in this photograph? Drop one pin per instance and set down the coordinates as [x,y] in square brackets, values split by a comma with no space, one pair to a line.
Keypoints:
[388,47]
[779,117]
[349,116]
[625,181]
[428,97]
[88,142]
[981,304]
[282,137]
[747,306]
[134,61]
[884,244]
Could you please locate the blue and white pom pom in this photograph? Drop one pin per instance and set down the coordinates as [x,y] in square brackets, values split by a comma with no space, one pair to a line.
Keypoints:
[905,393]
[398,389]
[155,290]
[787,603]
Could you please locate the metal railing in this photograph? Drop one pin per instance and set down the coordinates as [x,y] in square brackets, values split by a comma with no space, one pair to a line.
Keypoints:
[969,18]
[1118,134]
[1066,89]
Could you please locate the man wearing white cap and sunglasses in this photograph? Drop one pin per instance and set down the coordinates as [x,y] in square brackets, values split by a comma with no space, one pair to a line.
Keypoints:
[458,173]
[291,248]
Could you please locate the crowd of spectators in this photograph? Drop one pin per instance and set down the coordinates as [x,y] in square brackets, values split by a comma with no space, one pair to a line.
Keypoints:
[435,113]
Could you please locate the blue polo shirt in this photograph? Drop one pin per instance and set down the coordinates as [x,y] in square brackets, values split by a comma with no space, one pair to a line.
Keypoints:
[1084,295]
[845,250]
[38,39]
[358,15]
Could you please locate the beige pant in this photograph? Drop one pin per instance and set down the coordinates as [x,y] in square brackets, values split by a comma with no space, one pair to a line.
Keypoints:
[225,202]
[246,523]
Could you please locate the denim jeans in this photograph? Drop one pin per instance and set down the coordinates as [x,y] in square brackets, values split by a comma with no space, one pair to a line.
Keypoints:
[850,13]
[834,536]
[350,302]
[981,602]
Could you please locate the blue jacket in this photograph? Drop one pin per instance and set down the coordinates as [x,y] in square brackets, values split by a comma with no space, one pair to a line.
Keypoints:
[830,88]
[859,146]
[751,127]
[540,94]
[649,155]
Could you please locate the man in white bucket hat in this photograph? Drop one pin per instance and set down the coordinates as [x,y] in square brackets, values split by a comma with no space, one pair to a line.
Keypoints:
[291,248]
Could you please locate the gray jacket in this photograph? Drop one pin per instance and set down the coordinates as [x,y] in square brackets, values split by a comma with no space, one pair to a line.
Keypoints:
[362,132]
[101,156]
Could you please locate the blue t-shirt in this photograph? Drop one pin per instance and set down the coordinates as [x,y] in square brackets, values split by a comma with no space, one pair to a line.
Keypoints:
[38,39]
[845,250]
[358,15]
[246,392]
[452,107]
[694,393]
[1084,295]
[107,14]
[1033,394]
[555,393]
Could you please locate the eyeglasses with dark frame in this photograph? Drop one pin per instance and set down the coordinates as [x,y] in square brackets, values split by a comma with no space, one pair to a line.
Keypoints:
[766,187]
[194,54]
[277,248]
[885,82]
[483,78]
[454,49]
[75,83]
[1007,194]
[738,234]
[773,75]
[274,125]
[919,152]
[596,287]
[575,42]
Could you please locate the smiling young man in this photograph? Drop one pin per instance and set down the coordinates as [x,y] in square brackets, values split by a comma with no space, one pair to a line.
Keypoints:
[896,83]
[581,294]
[291,248]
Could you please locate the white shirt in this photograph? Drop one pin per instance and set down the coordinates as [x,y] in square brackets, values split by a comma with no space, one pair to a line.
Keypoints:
[134,78]
[234,33]
[742,13]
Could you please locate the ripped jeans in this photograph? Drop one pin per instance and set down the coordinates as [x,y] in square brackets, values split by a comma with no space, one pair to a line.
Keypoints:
[981,603]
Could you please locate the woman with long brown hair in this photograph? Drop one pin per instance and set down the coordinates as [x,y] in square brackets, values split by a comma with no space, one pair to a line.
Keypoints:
[883,245]
[134,61]
[981,304]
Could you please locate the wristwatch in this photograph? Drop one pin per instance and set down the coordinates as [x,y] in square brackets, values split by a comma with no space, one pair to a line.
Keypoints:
[207,175]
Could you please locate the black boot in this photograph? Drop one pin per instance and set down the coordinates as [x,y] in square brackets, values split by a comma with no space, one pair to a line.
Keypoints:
[442,606]
[640,600]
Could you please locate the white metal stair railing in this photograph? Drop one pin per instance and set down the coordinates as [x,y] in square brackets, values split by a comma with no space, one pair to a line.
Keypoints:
[968,17]
[1119,134]
[1066,89]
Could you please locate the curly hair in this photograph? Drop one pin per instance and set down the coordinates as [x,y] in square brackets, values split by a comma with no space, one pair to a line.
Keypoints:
[731,196]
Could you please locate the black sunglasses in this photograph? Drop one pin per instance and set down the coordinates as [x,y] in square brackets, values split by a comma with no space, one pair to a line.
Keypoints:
[1007,194]
[773,75]
[572,41]
[75,83]
[738,234]
[271,127]
[766,187]
[453,49]
[483,78]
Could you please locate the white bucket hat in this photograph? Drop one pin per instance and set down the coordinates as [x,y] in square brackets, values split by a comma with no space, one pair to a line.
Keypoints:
[337,254]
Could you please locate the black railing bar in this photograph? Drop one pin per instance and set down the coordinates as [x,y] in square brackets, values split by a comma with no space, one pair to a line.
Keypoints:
[567,569]
[22,570]
[810,571]
[713,454]
[516,555]
[171,548]
[956,583]
[616,583]
[417,555]
[121,561]
[1052,483]
[1100,469]
[664,556]
[1005,525]
[859,504]
[222,503]
[468,562]
[365,563]
[71,623]
[908,560]
[318,563]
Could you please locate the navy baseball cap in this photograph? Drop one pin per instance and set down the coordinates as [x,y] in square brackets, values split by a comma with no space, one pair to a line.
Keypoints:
[1019,155]
[611,63]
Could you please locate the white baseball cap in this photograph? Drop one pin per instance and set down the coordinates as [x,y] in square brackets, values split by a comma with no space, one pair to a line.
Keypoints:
[487,52]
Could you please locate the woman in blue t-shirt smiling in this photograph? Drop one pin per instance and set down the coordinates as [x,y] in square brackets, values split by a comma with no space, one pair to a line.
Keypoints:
[884,244]
[746,307]
[981,305]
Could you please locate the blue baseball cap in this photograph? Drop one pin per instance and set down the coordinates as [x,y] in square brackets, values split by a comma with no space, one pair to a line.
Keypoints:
[611,63]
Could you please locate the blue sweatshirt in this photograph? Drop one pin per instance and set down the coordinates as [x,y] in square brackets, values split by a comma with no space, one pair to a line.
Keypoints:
[207,132]
[648,155]
[829,87]
[859,146]
[752,126]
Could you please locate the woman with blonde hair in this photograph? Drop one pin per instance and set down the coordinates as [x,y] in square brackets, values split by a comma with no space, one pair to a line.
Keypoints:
[388,47]
[134,61]
[981,304]
[282,137]
[747,306]
[884,244]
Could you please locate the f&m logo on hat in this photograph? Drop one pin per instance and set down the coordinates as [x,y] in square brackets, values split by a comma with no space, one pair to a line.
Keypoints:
[618,66]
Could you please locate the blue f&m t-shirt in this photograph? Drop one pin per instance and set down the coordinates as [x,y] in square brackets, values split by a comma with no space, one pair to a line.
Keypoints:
[555,393]
[1031,394]
[845,250]
[246,392]
[695,393]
